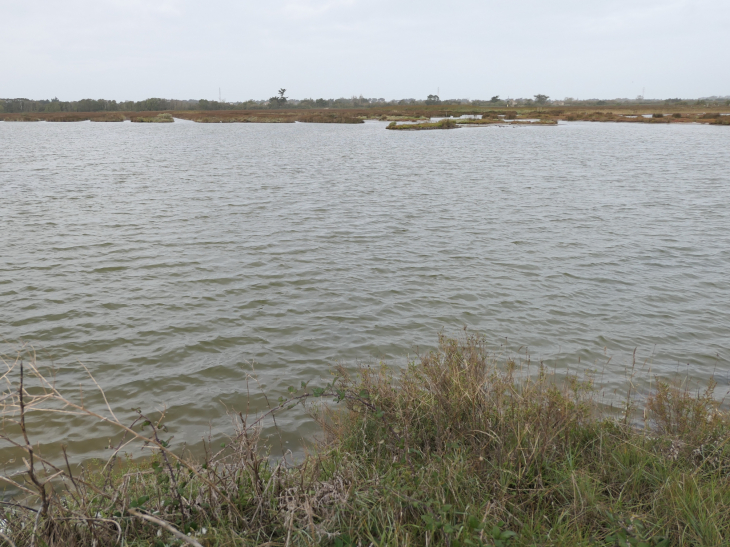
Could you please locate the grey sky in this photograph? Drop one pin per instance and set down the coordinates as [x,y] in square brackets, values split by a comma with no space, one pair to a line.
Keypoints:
[134,49]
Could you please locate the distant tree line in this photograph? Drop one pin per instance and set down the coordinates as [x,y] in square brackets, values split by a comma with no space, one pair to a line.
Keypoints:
[280,101]
[94,105]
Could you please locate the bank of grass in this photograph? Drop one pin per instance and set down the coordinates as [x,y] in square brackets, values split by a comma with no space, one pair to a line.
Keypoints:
[455,449]
[66,117]
[236,116]
[329,117]
[446,123]
[164,117]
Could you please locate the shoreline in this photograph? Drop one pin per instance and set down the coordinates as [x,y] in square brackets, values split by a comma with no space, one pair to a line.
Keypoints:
[453,449]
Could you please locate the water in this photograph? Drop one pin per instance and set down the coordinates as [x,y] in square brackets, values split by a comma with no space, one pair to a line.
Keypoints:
[168,258]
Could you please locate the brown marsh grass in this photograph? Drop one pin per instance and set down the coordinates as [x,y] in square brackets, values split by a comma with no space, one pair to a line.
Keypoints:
[328,117]
[66,117]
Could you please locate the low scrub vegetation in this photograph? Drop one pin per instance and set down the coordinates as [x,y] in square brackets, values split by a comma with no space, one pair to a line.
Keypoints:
[164,117]
[446,123]
[457,448]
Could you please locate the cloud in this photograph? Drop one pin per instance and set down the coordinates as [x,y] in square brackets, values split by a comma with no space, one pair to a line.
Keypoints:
[307,9]
[148,7]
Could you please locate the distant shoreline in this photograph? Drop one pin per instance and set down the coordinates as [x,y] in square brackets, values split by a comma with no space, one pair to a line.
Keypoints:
[547,115]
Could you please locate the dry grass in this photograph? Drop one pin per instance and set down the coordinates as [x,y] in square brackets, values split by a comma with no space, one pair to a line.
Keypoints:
[328,117]
[237,116]
[66,117]
[454,449]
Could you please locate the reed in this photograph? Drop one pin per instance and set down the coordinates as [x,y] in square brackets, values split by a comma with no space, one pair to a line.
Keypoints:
[457,448]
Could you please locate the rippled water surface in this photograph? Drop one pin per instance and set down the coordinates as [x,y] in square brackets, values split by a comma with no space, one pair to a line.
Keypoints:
[167,258]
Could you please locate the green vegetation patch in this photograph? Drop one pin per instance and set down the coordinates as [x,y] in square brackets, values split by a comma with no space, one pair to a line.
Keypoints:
[108,117]
[160,118]
[446,123]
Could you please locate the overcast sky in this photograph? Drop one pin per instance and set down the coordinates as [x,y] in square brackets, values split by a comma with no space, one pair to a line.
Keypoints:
[134,49]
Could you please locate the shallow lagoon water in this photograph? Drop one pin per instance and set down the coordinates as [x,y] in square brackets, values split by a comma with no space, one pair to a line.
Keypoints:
[169,258]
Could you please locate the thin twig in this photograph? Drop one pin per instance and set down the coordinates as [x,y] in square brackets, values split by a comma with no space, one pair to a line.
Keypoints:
[11,504]
[166,525]
[100,391]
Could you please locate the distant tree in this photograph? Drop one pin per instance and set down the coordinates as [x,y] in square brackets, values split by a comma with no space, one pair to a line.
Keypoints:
[494,99]
[278,101]
[322,103]
[433,99]
[541,99]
